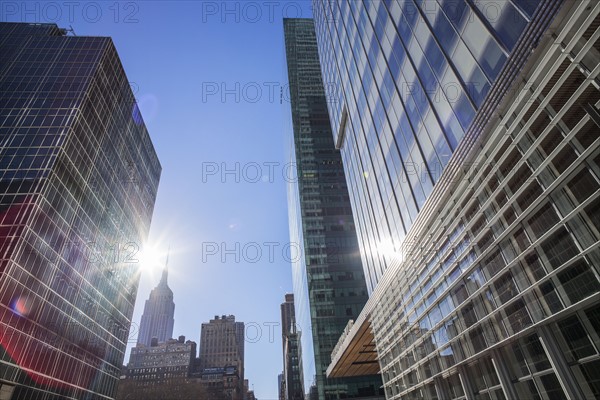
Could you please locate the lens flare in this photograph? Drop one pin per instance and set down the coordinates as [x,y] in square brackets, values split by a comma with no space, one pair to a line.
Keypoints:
[21,306]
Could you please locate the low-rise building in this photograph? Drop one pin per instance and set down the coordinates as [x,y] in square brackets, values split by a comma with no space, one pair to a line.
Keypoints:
[159,370]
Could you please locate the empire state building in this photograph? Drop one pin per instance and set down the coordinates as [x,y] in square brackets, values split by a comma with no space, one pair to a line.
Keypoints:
[159,310]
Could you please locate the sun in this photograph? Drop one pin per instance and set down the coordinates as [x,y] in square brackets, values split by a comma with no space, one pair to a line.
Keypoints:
[152,258]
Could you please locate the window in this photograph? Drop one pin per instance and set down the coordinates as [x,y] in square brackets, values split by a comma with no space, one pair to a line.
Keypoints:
[544,219]
[459,293]
[477,339]
[552,387]
[468,315]
[529,195]
[591,373]
[559,248]
[583,185]
[549,298]
[579,281]
[576,338]
[517,316]
[505,288]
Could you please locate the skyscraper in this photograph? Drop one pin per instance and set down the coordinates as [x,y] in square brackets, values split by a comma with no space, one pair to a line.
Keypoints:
[293,374]
[477,208]
[78,181]
[281,386]
[159,311]
[222,346]
[293,380]
[287,314]
[329,284]
[411,76]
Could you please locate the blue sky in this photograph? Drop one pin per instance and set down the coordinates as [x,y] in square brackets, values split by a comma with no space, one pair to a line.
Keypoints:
[179,56]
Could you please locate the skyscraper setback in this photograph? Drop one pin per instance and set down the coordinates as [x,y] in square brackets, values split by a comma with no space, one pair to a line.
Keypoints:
[477,209]
[288,314]
[159,313]
[329,284]
[78,181]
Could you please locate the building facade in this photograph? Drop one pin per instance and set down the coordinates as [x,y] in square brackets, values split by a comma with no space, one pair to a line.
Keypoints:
[328,278]
[293,374]
[159,313]
[78,181]
[281,386]
[222,346]
[223,383]
[292,385]
[409,77]
[158,363]
[492,288]
[288,314]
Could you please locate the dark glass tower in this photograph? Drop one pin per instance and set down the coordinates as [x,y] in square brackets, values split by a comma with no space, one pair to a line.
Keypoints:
[159,313]
[329,284]
[78,181]
[469,134]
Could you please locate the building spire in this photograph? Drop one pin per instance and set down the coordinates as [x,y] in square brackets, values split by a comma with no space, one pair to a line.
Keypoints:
[165,273]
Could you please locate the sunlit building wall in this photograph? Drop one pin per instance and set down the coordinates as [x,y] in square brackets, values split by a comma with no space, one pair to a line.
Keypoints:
[78,181]
[492,289]
[222,346]
[409,77]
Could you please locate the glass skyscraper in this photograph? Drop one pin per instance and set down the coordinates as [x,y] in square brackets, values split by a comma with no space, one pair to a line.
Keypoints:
[78,181]
[411,76]
[469,135]
[329,284]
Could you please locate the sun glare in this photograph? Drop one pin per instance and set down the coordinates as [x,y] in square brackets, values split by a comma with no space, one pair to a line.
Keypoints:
[387,249]
[152,259]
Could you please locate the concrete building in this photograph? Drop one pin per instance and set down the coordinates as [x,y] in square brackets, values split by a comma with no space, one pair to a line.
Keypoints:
[281,386]
[292,380]
[223,383]
[160,371]
[222,346]
[159,362]
[293,374]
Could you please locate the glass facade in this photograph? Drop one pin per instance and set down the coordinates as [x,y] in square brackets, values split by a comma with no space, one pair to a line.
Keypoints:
[329,284]
[410,76]
[78,181]
[497,296]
